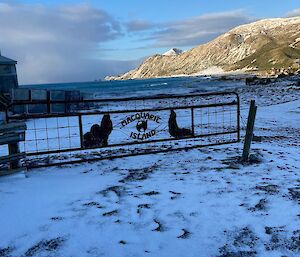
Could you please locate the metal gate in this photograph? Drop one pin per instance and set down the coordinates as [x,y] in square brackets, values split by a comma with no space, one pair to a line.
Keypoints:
[65,132]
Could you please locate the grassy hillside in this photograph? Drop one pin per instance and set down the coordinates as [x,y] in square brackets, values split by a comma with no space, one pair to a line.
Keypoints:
[271,56]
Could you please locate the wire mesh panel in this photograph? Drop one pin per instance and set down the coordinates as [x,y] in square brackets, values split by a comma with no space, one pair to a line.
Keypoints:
[55,133]
[110,128]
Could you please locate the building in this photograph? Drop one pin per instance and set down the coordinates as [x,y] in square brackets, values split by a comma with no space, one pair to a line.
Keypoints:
[8,75]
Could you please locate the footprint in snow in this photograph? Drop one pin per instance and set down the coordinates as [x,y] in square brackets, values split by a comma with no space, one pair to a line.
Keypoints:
[160,227]
[185,234]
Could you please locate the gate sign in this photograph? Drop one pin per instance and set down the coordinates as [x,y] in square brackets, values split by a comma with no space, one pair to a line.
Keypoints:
[141,119]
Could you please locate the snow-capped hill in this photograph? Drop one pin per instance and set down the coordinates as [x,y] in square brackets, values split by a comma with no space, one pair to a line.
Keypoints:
[173,51]
[265,47]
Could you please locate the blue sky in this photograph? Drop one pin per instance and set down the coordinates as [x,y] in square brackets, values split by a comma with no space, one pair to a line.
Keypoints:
[52,37]
[178,9]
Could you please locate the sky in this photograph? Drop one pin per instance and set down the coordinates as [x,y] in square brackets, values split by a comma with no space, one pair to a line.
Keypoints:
[76,40]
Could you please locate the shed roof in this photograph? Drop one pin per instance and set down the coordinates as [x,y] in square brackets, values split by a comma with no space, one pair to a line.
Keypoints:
[5,60]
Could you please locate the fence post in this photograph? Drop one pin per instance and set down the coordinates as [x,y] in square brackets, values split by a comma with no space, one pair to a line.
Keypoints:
[14,149]
[238,118]
[249,131]
[48,102]
[193,122]
[11,135]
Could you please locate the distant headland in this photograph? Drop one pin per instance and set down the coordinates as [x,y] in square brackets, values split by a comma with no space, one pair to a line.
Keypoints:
[267,47]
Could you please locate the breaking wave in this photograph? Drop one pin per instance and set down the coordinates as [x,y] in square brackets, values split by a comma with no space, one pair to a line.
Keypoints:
[158,84]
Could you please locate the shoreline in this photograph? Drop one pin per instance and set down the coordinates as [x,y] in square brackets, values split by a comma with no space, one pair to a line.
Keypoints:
[205,73]
[238,74]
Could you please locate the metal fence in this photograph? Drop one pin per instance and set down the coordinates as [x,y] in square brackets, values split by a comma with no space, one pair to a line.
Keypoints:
[111,128]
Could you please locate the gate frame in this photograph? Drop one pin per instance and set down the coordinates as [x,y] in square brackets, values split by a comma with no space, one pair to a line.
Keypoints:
[79,114]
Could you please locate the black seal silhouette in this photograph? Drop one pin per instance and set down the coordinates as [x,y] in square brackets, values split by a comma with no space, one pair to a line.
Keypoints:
[88,141]
[106,129]
[174,130]
[98,135]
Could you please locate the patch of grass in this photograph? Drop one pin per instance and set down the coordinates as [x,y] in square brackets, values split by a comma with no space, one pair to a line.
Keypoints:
[273,55]
[45,246]
[151,193]
[111,213]
[95,204]
[118,190]
[5,252]
[269,189]
[142,206]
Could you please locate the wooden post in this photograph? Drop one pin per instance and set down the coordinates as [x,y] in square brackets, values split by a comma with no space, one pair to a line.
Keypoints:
[14,149]
[238,119]
[11,135]
[249,131]
[48,102]
[193,125]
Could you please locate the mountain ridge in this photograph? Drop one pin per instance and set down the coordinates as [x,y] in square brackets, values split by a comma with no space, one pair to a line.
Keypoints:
[264,47]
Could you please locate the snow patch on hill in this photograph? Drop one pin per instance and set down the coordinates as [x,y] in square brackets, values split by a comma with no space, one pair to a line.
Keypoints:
[173,51]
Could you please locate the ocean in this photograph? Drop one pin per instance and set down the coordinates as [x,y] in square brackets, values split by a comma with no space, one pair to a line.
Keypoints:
[145,87]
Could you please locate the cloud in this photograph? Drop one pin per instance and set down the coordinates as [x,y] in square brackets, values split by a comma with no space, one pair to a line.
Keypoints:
[72,42]
[196,30]
[58,44]
[293,13]
[139,25]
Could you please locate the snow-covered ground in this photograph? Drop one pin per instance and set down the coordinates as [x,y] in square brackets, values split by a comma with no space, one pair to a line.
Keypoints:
[200,202]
